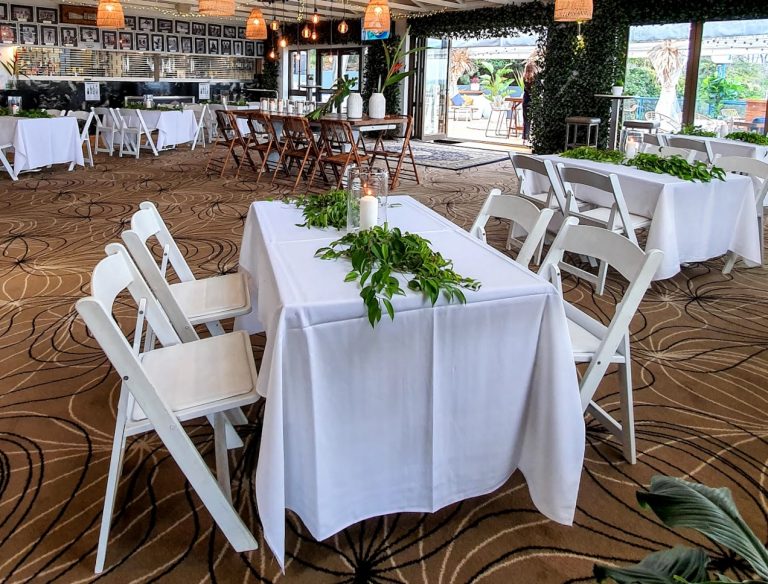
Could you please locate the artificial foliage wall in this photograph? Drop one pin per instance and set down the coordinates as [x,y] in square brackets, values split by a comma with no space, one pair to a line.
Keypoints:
[573,70]
[376,71]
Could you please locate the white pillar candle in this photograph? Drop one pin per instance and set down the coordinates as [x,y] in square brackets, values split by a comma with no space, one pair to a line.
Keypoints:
[369,211]
[631,149]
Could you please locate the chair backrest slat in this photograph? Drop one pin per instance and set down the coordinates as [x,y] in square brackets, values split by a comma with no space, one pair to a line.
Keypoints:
[690,144]
[547,173]
[757,169]
[684,153]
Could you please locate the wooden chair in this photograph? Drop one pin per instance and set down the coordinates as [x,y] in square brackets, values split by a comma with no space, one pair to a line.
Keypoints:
[518,211]
[262,138]
[6,164]
[615,218]
[298,146]
[397,157]
[164,387]
[594,343]
[338,149]
[227,143]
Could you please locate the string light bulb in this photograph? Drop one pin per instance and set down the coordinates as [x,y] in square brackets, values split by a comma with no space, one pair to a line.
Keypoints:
[343,27]
[272,54]
[274,25]
[314,35]
[306,32]
[282,42]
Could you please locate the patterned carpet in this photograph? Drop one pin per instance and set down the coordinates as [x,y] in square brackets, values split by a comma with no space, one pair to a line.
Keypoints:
[449,157]
[700,369]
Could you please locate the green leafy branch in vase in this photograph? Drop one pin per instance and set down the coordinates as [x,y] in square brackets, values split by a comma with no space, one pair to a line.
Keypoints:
[377,254]
[324,210]
[341,89]
[395,62]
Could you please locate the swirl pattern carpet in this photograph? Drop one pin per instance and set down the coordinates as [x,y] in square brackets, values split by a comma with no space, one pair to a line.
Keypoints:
[700,348]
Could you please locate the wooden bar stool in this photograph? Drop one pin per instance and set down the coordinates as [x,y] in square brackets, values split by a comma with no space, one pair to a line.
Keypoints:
[574,123]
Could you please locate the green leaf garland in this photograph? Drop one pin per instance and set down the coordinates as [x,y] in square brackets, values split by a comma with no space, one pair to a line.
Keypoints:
[596,154]
[324,210]
[749,137]
[676,166]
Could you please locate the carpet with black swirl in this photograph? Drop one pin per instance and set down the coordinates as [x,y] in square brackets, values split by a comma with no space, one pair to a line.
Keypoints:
[700,372]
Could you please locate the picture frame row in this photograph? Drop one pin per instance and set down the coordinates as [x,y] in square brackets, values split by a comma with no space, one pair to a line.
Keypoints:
[91,37]
[23,13]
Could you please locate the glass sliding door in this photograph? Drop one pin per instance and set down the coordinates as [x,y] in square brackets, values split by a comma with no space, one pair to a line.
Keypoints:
[431,89]
[733,77]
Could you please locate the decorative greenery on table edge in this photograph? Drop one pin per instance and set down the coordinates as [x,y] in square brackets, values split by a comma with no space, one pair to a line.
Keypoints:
[324,210]
[691,130]
[712,512]
[675,165]
[749,137]
[34,113]
[380,252]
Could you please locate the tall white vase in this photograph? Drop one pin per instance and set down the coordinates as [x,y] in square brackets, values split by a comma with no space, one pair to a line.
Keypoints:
[355,106]
[377,106]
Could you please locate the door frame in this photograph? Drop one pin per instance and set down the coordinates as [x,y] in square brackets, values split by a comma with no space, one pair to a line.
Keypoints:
[418,87]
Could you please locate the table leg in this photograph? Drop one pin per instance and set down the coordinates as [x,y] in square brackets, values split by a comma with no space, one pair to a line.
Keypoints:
[614,123]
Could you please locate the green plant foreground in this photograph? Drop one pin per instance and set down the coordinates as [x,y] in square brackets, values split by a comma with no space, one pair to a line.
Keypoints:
[750,137]
[691,130]
[712,512]
[324,210]
[595,154]
[4,111]
[377,254]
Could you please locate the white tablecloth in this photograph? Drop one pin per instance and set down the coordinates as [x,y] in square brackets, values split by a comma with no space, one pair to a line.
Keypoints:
[690,221]
[438,406]
[725,147]
[39,142]
[174,127]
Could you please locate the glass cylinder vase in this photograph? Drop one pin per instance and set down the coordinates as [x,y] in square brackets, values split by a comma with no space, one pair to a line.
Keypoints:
[367,190]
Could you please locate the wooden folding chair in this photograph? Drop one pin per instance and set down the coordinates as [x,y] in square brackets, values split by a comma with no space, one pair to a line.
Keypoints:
[398,157]
[593,342]
[229,139]
[262,138]
[338,148]
[163,387]
[299,146]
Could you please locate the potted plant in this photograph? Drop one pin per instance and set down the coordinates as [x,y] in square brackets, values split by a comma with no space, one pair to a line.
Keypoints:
[341,90]
[474,83]
[495,82]
[377,104]
[13,68]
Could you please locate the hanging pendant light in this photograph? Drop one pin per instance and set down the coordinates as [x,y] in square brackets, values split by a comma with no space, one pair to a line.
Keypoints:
[110,14]
[274,26]
[343,27]
[255,26]
[316,15]
[573,10]
[376,16]
[314,35]
[216,7]
[306,32]
[272,55]
[282,42]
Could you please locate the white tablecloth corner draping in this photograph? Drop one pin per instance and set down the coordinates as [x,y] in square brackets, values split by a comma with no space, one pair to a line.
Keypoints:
[40,142]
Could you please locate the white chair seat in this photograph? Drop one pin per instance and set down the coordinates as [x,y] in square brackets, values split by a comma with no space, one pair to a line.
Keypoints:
[603,214]
[205,372]
[208,299]
[585,344]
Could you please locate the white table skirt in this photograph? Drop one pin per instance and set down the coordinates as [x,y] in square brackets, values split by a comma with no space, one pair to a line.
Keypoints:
[690,221]
[438,406]
[725,147]
[173,127]
[39,142]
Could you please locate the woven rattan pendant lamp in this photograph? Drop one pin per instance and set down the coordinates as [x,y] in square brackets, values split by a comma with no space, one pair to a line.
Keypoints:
[255,26]
[216,7]
[377,16]
[573,10]
[110,14]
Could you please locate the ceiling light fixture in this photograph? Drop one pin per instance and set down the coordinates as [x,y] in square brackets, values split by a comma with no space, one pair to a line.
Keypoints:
[216,7]
[343,27]
[377,16]
[255,26]
[110,14]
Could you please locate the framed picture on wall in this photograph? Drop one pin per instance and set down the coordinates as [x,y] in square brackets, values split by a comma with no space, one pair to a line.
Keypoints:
[68,36]
[198,28]
[47,15]
[126,40]
[8,34]
[109,39]
[142,41]
[146,24]
[214,30]
[172,43]
[230,32]
[49,35]
[89,37]
[259,49]
[130,23]
[185,44]
[241,32]
[71,14]
[3,12]
[200,46]
[182,27]
[164,25]
[21,13]
[226,47]
[213,46]
[28,34]
[250,49]
[158,43]
[237,48]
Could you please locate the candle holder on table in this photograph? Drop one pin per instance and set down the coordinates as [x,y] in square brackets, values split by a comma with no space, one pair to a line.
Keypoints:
[367,190]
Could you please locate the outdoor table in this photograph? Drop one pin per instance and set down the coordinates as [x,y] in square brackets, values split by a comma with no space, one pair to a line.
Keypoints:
[617,104]
[39,142]
[690,221]
[441,404]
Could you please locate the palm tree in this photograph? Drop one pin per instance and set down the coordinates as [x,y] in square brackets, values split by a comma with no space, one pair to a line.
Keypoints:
[667,61]
[461,64]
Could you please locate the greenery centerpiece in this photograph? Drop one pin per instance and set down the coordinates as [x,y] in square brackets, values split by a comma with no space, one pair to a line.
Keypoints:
[749,137]
[378,253]
[341,89]
[676,166]
[691,130]
[34,113]
[712,512]
[324,210]
[595,154]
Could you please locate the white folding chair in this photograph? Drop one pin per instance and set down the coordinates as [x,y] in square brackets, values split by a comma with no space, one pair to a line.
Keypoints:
[702,147]
[85,139]
[132,124]
[758,170]
[597,344]
[615,217]
[107,128]
[55,113]
[4,160]
[670,151]
[200,111]
[211,123]
[166,386]
[206,301]
[528,216]
[553,196]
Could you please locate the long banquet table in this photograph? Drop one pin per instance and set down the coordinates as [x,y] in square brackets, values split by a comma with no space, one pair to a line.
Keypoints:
[437,406]
[690,221]
[39,142]
[173,126]
[726,147]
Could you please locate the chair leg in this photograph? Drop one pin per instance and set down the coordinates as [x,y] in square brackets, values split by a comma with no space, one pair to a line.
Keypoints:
[222,454]
[90,151]
[627,407]
[602,272]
